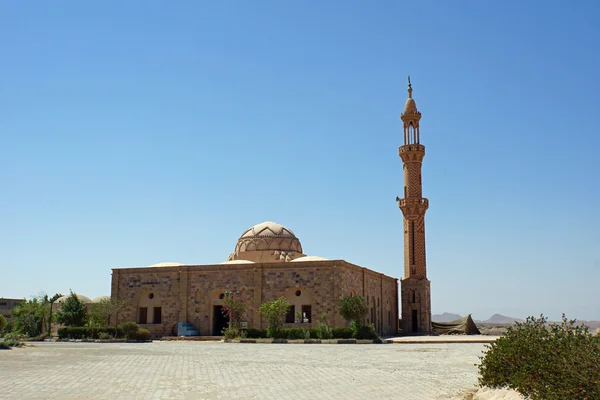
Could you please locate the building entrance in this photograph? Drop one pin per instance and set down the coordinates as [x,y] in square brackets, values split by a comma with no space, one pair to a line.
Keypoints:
[219,321]
[415,321]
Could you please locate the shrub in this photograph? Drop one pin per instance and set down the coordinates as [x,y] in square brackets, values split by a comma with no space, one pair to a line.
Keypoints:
[275,312]
[354,308]
[342,333]
[556,362]
[294,333]
[3,323]
[142,335]
[83,332]
[129,329]
[253,333]
[323,330]
[104,336]
[367,332]
[4,346]
[230,333]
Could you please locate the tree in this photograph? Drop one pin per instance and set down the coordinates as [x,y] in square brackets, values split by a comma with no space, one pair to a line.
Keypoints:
[275,312]
[102,311]
[354,308]
[3,323]
[72,312]
[235,308]
[29,316]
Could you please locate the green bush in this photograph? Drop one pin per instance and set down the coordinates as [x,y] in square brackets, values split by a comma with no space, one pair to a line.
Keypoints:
[253,333]
[275,312]
[342,333]
[142,335]
[367,332]
[4,346]
[129,329]
[3,323]
[559,361]
[322,329]
[84,332]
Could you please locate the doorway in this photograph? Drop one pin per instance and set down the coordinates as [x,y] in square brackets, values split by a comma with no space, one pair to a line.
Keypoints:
[415,321]
[220,320]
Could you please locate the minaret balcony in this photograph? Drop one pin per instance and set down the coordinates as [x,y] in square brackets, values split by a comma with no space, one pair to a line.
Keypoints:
[413,207]
[411,148]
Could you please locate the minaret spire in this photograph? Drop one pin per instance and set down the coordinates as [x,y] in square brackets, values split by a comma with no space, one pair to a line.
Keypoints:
[415,288]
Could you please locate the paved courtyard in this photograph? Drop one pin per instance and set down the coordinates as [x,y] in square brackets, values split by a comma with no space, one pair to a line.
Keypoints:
[213,370]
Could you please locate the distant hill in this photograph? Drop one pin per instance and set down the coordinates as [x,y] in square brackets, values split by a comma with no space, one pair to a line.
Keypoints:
[445,317]
[501,319]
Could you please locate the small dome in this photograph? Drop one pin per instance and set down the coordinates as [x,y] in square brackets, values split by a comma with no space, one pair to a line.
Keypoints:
[410,107]
[82,298]
[310,258]
[101,298]
[268,229]
[267,242]
[165,264]
[238,262]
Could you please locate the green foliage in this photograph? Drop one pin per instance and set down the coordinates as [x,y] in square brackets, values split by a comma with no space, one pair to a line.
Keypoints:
[30,316]
[354,308]
[323,329]
[129,329]
[342,333]
[3,323]
[366,332]
[275,312]
[4,345]
[102,311]
[559,361]
[13,339]
[253,333]
[73,312]
[235,308]
[87,332]
[142,335]
[230,332]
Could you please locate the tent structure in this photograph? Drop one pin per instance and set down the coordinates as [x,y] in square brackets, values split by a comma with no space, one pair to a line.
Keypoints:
[462,326]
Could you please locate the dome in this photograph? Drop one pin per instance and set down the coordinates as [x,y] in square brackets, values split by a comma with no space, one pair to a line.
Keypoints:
[101,298]
[83,299]
[410,107]
[165,264]
[238,262]
[310,258]
[267,242]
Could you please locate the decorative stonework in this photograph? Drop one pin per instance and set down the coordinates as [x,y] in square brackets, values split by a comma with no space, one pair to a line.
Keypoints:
[415,292]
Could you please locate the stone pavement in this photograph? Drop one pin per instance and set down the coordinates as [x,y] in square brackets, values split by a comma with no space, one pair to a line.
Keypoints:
[214,370]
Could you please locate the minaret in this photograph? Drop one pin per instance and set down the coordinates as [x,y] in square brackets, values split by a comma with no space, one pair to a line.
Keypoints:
[414,287]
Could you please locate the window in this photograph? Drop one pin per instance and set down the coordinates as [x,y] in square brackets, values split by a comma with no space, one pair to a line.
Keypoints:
[3,303]
[306,313]
[291,315]
[143,315]
[157,315]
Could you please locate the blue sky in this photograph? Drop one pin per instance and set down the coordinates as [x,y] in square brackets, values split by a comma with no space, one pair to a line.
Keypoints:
[140,132]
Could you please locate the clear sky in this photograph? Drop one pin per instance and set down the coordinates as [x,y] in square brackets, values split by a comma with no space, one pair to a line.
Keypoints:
[139,132]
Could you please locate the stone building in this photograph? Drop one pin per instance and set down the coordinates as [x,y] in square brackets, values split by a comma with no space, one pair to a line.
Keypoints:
[7,305]
[268,262]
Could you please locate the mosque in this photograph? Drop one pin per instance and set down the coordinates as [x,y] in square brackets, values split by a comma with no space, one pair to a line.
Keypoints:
[268,262]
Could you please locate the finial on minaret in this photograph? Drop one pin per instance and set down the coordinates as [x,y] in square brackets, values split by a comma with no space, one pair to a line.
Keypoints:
[409,88]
